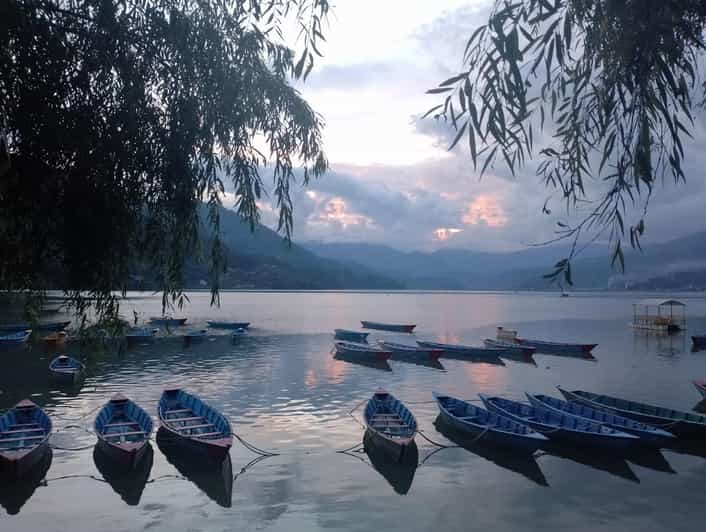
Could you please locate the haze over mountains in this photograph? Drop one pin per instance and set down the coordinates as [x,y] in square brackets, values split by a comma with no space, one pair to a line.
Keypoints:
[263,260]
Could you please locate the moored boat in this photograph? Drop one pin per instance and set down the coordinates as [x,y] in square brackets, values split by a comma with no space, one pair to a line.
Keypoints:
[214,324]
[391,327]
[563,427]
[123,430]
[140,334]
[353,349]
[66,369]
[543,346]
[460,350]
[701,387]
[699,341]
[410,351]
[684,424]
[510,347]
[487,426]
[350,336]
[167,321]
[55,339]
[46,326]
[24,436]
[15,338]
[648,434]
[195,336]
[194,424]
[390,425]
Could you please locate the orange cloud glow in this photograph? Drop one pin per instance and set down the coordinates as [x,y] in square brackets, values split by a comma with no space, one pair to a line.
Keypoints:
[336,210]
[485,210]
[444,233]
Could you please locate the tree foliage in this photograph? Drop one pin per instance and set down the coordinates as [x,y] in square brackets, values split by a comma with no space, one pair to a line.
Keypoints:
[615,83]
[122,116]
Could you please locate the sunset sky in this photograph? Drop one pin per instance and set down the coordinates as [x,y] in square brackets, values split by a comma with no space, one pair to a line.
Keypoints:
[392,180]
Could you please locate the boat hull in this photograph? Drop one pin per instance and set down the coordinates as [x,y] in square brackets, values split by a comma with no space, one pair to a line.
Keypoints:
[210,450]
[42,327]
[371,353]
[14,465]
[556,348]
[502,439]
[390,327]
[679,427]
[462,351]
[394,448]
[124,456]
[507,347]
[699,341]
[228,324]
[701,387]
[168,322]
[350,336]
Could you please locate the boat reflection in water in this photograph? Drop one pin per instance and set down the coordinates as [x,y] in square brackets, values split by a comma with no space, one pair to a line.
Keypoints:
[127,482]
[215,479]
[15,493]
[374,364]
[613,464]
[513,460]
[424,362]
[398,474]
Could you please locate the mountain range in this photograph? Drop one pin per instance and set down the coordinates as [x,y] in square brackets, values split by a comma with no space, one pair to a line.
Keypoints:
[262,259]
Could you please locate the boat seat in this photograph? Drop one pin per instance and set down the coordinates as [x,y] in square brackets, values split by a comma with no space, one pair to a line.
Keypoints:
[189,427]
[24,425]
[131,433]
[18,431]
[208,434]
[468,418]
[388,425]
[178,411]
[121,424]
[200,418]
[6,440]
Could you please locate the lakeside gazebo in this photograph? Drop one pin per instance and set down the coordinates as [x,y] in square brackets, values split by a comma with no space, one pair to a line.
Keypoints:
[659,315]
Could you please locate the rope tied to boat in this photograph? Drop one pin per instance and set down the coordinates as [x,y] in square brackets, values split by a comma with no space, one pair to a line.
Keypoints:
[252,448]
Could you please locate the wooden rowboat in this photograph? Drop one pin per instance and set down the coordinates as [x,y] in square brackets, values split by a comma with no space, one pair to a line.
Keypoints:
[390,425]
[228,324]
[167,321]
[699,340]
[391,327]
[543,346]
[487,426]
[684,424]
[350,336]
[410,351]
[563,427]
[55,339]
[140,334]
[462,351]
[24,436]
[123,430]
[195,336]
[66,369]
[195,425]
[509,347]
[701,387]
[648,434]
[362,351]
[45,326]
[15,338]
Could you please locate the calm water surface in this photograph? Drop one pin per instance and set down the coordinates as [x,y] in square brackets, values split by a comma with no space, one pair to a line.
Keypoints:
[284,392]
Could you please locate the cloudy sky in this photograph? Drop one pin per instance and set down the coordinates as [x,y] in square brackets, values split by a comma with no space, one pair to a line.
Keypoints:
[392,180]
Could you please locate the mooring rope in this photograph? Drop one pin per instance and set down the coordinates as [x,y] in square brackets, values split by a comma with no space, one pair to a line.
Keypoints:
[252,448]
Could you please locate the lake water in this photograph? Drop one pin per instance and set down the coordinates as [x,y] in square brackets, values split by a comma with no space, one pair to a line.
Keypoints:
[284,392]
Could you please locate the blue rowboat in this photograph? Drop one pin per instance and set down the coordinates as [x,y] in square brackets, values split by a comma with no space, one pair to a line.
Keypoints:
[410,351]
[362,351]
[228,324]
[509,347]
[561,427]
[167,321]
[683,424]
[391,327]
[350,336]
[24,437]
[195,336]
[123,430]
[487,426]
[15,338]
[390,425]
[194,425]
[648,435]
[66,369]
[140,334]
[45,326]
[461,351]
[542,346]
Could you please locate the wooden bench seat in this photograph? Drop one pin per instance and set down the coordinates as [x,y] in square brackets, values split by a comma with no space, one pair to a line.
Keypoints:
[386,425]
[200,418]
[117,434]
[179,411]
[189,427]
[121,424]
[6,440]
[18,431]
[217,433]
[24,425]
